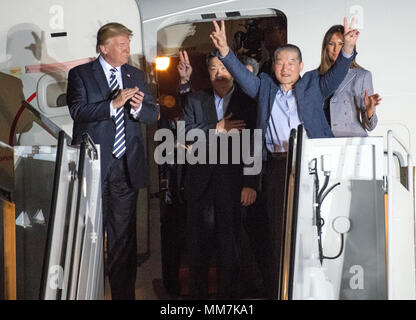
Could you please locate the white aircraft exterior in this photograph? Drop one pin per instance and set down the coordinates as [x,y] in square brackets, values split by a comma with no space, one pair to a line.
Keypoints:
[41,40]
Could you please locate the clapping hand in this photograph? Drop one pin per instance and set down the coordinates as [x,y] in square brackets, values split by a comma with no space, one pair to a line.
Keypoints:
[137,100]
[123,96]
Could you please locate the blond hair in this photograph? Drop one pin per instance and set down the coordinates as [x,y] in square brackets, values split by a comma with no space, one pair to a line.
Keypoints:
[111,30]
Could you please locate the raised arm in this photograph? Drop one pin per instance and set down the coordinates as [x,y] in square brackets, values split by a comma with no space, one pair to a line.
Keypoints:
[185,71]
[184,67]
[219,38]
[246,79]
[331,80]
[350,37]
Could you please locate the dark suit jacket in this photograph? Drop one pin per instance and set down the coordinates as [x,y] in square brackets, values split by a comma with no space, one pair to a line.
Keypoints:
[311,90]
[88,96]
[171,175]
[199,112]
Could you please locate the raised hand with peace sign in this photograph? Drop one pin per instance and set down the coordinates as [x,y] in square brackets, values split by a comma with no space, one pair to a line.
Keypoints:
[184,67]
[350,36]
[219,38]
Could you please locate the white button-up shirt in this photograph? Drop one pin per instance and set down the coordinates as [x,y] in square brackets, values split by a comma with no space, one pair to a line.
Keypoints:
[107,67]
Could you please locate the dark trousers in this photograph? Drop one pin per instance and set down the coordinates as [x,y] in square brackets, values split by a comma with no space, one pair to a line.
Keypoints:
[213,224]
[264,224]
[172,225]
[173,237]
[119,218]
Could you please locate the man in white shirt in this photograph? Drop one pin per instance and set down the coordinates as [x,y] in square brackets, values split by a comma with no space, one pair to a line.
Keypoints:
[215,192]
[108,99]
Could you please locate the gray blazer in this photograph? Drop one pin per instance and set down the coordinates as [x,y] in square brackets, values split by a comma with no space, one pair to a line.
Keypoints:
[348,113]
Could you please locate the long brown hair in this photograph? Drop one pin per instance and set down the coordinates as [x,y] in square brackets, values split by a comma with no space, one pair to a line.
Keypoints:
[325,61]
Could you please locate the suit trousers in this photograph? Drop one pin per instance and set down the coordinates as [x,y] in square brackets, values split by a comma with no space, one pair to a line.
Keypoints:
[213,224]
[264,224]
[119,218]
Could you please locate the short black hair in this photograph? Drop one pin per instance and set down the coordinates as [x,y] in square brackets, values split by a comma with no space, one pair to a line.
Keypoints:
[288,47]
[210,55]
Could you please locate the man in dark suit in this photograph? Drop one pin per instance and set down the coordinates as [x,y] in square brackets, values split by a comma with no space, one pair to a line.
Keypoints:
[215,192]
[108,99]
[283,102]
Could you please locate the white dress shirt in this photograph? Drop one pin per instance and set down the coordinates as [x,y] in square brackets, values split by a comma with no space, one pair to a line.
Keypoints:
[283,118]
[107,67]
[221,104]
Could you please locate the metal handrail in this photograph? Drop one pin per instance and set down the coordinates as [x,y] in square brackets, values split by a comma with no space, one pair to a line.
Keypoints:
[45,122]
[390,137]
[49,234]
[391,153]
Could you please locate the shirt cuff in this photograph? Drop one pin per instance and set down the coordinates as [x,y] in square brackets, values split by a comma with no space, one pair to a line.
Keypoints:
[219,56]
[112,110]
[135,113]
[184,87]
[346,55]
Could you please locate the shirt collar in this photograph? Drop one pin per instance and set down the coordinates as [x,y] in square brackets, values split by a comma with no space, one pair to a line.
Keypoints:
[226,97]
[288,94]
[106,66]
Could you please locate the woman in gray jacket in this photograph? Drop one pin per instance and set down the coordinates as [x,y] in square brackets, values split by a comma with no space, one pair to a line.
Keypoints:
[350,111]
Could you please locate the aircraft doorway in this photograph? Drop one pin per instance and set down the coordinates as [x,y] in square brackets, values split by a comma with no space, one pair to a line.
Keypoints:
[254,37]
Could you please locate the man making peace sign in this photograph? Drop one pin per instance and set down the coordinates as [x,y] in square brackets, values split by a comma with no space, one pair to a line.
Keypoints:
[283,103]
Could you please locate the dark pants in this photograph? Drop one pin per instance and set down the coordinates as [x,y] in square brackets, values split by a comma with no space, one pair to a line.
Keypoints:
[213,224]
[119,218]
[172,224]
[264,223]
[173,237]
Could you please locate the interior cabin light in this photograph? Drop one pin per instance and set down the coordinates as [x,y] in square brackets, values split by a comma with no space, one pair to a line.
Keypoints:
[162,63]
